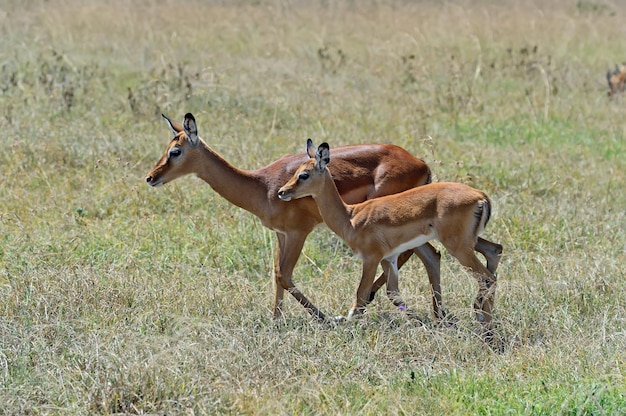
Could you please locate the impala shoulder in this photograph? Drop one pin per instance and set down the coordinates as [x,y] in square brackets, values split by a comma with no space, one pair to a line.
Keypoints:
[289,162]
[276,174]
[366,213]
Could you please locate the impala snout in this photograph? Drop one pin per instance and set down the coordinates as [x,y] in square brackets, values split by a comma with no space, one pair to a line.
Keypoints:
[153,181]
[284,196]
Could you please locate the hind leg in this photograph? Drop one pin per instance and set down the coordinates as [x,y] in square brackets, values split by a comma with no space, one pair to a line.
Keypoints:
[382,279]
[491,251]
[483,305]
[390,267]
[432,261]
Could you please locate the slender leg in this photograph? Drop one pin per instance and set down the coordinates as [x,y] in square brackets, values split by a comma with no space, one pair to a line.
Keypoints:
[382,279]
[483,305]
[290,247]
[491,251]
[390,266]
[432,261]
[279,292]
[365,286]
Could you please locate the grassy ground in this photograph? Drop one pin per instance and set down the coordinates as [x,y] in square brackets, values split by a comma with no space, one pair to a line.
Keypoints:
[117,298]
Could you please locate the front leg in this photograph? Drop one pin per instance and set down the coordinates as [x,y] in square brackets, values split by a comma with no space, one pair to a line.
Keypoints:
[390,266]
[290,247]
[365,286]
[382,279]
[431,258]
[279,292]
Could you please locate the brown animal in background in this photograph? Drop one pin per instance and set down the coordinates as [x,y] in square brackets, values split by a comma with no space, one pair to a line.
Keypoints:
[380,229]
[361,172]
[616,79]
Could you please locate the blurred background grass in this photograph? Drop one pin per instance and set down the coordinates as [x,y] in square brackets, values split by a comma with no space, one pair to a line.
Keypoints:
[118,298]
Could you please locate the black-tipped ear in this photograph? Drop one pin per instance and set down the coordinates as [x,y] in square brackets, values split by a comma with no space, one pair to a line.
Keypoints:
[310,148]
[191,130]
[322,156]
[174,126]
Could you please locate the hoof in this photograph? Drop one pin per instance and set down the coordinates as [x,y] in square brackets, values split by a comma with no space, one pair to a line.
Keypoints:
[371,297]
[447,323]
[355,314]
[412,315]
[493,340]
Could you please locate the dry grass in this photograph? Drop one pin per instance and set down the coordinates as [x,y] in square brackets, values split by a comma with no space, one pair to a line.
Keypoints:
[121,299]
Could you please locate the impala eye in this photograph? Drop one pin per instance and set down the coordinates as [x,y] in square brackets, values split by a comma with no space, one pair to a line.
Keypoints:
[175,152]
[303,176]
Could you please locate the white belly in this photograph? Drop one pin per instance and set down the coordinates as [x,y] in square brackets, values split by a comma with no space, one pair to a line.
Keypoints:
[416,242]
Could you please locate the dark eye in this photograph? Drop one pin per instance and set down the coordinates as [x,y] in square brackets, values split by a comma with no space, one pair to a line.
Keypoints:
[303,176]
[175,152]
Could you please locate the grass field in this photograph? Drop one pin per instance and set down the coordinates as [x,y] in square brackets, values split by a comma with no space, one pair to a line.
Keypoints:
[116,298]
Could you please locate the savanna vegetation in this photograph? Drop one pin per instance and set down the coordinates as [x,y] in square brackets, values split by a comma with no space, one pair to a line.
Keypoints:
[116,298]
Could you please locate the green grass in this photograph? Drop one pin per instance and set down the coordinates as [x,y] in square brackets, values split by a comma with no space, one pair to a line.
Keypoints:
[116,298]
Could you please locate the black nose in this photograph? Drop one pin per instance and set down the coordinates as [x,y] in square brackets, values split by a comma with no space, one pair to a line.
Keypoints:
[149,179]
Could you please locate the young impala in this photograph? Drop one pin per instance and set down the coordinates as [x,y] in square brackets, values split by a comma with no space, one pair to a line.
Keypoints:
[379,229]
[361,172]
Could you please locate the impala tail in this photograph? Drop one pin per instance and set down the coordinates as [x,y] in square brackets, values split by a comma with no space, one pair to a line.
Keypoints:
[482,214]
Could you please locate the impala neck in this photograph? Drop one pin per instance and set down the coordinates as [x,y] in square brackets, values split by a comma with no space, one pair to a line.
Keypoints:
[239,187]
[335,213]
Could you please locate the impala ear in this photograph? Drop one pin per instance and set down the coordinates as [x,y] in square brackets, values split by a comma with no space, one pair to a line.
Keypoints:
[174,126]
[322,157]
[191,130]
[310,148]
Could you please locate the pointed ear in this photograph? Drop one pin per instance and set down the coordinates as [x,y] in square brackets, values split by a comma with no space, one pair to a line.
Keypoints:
[310,148]
[174,126]
[322,157]
[191,130]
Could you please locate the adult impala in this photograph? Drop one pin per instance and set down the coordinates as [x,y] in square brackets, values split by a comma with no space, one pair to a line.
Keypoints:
[379,230]
[361,172]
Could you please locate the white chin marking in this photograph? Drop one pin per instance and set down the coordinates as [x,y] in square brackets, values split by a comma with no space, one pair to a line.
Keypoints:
[285,198]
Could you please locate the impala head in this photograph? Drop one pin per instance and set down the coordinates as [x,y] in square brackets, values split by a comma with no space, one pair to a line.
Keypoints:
[179,154]
[302,182]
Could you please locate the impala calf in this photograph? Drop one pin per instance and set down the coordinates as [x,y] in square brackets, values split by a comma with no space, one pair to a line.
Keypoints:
[360,172]
[379,229]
